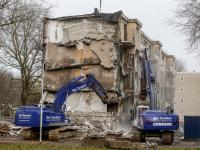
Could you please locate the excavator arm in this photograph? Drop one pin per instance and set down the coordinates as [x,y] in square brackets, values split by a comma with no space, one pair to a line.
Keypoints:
[76,85]
[148,85]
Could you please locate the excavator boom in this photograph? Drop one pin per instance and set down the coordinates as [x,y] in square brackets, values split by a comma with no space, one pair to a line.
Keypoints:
[29,115]
[76,85]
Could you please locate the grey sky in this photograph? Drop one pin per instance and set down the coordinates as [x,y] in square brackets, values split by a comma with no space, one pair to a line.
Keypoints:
[152,14]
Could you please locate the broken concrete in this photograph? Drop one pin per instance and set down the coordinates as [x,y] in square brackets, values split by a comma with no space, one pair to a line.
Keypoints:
[76,30]
[8,129]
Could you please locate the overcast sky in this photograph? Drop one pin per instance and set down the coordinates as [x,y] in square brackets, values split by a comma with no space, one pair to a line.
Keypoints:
[152,13]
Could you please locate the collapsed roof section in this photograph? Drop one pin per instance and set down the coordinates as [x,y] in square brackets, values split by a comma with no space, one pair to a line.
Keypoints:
[111,17]
[73,30]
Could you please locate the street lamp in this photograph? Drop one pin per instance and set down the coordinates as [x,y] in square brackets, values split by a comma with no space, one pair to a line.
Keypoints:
[41,105]
[26,98]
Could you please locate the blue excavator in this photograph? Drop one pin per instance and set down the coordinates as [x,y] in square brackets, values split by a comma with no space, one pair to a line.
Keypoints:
[54,114]
[147,121]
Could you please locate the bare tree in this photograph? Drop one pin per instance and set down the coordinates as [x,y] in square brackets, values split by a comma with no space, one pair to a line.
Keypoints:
[9,91]
[21,47]
[8,12]
[5,7]
[180,65]
[186,21]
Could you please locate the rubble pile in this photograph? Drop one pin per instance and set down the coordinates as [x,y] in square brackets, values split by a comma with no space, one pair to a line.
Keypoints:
[86,124]
[15,130]
[95,124]
[95,128]
[179,134]
[9,129]
[87,128]
[4,127]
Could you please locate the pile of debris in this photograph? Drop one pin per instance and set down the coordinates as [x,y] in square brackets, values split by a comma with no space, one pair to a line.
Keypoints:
[87,126]
[8,129]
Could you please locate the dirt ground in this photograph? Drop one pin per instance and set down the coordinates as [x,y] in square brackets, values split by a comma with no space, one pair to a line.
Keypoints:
[179,143]
[178,140]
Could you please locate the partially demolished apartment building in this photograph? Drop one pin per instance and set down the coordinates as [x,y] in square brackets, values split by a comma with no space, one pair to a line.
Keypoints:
[108,46]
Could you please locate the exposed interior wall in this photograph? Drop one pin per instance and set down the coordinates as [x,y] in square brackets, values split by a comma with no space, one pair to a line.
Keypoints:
[81,44]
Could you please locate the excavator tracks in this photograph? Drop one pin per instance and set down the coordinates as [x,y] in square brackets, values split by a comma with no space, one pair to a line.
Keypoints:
[136,136]
[27,134]
[167,138]
[61,134]
[58,134]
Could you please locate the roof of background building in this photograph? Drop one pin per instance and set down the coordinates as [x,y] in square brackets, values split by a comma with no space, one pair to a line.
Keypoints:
[113,17]
[143,34]
[158,42]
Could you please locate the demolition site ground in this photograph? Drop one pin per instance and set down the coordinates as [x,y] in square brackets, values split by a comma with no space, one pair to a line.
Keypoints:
[17,143]
[10,138]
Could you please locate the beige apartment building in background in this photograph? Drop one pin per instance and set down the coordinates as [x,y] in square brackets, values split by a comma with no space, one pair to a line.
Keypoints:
[187,94]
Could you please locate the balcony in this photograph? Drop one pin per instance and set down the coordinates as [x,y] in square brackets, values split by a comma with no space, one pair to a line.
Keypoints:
[128,43]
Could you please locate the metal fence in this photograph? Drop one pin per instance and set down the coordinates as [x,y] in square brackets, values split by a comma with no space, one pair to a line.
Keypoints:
[8,119]
[191,127]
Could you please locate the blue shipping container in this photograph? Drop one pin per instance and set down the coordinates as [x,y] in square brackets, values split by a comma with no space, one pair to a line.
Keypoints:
[191,127]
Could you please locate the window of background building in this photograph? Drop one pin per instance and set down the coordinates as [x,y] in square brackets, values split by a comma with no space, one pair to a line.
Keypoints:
[145,43]
[182,78]
[125,32]
[163,58]
[181,101]
[137,33]
[181,112]
[181,90]
[158,52]
[149,50]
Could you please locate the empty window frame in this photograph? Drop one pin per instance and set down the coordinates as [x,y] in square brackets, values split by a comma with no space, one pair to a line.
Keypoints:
[149,50]
[181,100]
[125,32]
[181,89]
[163,58]
[137,33]
[181,78]
[149,47]
[181,112]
